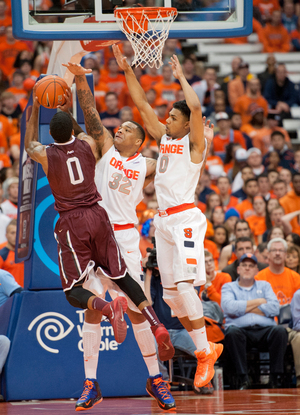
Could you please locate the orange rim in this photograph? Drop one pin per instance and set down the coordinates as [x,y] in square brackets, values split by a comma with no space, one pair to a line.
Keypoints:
[141,15]
[151,12]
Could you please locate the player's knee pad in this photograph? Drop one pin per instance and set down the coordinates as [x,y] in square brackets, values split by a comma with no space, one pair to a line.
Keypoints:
[144,338]
[190,300]
[174,301]
[78,297]
[91,337]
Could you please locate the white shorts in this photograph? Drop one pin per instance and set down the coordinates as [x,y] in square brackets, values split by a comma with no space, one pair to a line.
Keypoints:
[128,241]
[180,250]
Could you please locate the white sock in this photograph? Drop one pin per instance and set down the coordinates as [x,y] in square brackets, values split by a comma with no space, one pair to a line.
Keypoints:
[193,336]
[145,340]
[91,336]
[200,339]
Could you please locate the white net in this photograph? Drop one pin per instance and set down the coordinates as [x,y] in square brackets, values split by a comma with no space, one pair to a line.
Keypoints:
[147,30]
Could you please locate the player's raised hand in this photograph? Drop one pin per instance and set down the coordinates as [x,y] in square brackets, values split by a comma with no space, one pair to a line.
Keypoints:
[76,68]
[68,102]
[208,129]
[176,67]
[34,97]
[121,59]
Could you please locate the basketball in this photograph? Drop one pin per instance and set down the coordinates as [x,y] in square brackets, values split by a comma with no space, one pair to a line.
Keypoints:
[50,91]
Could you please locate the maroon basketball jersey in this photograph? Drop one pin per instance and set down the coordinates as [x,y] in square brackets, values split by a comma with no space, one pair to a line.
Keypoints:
[71,172]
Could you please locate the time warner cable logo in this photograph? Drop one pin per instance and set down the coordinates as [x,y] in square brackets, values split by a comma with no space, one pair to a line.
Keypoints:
[54,326]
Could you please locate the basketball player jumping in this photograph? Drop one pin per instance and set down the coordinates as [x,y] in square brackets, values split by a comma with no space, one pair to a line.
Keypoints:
[121,174]
[85,241]
[179,227]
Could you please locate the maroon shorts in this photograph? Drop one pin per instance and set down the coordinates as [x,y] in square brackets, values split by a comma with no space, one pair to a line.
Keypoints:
[84,235]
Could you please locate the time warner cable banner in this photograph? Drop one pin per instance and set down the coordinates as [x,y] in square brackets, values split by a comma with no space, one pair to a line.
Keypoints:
[46,355]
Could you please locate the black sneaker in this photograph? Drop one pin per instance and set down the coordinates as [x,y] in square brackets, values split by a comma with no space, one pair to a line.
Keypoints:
[90,396]
[157,388]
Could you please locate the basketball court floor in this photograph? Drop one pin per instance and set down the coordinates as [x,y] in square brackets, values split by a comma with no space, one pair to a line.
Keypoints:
[248,402]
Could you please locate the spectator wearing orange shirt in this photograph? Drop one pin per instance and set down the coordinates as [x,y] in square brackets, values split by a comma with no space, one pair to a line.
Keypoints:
[223,185]
[237,86]
[150,79]
[284,281]
[245,208]
[214,281]
[161,110]
[100,90]
[7,254]
[225,135]
[5,126]
[245,104]
[166,88]
[276,37]
[11,109]
[291,201]
[266,7]
[213,249]
[114,79]
[257,222]
[17,87]
[279,188]
[9,49]
[257,130]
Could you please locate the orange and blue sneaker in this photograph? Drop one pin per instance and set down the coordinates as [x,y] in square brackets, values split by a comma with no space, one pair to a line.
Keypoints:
[90,396]
[205,366]
[165,347]
[114,311]
[157,388]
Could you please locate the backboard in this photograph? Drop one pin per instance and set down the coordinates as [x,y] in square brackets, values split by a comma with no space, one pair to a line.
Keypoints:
[94,19]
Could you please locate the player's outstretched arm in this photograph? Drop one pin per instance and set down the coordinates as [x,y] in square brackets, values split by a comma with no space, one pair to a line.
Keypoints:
[192,100]
[94,126]
[33,147]
[155,128]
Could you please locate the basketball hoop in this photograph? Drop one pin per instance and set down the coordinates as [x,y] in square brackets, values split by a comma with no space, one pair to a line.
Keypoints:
[147,29]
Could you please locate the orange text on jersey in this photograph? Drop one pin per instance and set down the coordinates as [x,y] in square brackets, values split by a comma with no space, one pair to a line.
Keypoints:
[131,174]
[171,148]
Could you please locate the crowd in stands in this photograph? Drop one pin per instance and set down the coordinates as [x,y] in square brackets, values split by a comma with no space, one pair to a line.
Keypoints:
[250,189]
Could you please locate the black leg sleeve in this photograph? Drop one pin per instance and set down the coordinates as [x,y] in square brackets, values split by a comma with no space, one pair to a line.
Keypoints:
[131,288]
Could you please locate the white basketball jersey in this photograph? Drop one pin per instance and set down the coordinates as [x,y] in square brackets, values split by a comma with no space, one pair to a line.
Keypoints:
[176,176]
[120,182]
